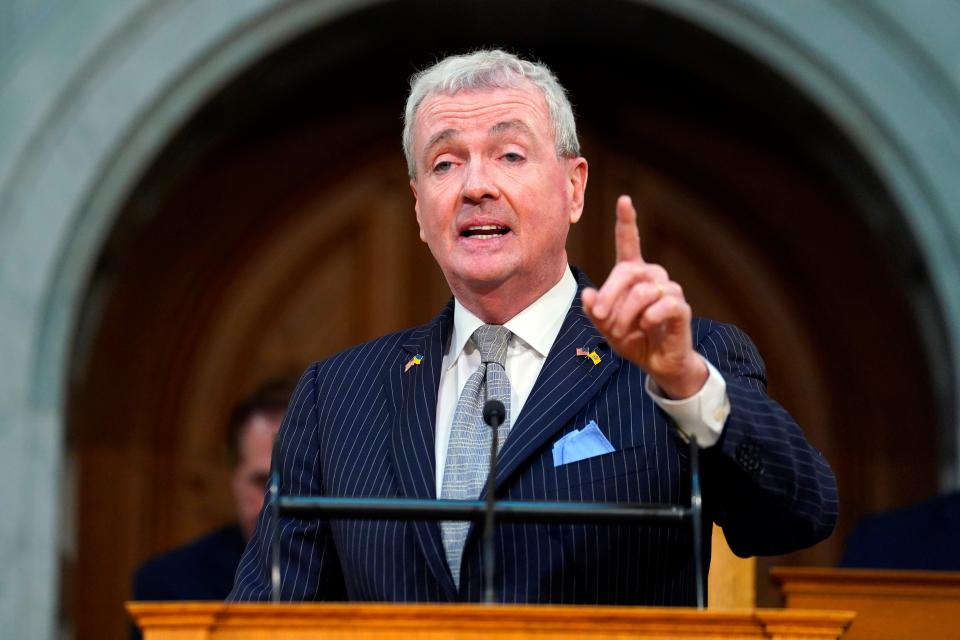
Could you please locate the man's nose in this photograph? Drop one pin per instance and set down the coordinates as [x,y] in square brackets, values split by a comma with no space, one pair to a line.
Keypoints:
[478,182]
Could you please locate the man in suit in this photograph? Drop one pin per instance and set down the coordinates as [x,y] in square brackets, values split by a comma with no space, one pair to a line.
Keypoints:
[204,568]
[601,387]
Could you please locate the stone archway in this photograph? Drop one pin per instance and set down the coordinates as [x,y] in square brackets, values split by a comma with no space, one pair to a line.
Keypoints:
[79,139]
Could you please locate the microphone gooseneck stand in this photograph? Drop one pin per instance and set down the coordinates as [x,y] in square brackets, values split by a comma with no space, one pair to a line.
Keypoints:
[494,413]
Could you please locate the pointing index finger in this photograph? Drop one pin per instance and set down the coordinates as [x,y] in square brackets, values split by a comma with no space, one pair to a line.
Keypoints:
[626,233]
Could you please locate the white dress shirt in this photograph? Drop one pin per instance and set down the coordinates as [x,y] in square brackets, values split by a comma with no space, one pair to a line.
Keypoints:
[534,331]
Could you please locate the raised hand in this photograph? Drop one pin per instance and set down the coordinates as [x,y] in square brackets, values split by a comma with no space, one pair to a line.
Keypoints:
[644,315]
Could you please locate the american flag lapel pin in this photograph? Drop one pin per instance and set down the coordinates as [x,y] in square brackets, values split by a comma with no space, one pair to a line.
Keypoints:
[415,360]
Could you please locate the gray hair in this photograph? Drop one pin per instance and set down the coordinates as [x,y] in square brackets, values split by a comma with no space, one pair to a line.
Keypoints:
[486,70]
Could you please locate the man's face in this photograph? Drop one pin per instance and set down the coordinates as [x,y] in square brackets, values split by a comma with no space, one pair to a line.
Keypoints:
[494,202]
[253,469]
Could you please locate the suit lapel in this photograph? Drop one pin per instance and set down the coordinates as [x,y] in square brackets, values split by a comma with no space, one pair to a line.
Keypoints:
[414,389]
[566,382]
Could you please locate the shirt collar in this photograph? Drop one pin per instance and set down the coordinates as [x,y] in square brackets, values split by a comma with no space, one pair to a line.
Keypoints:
[537,325]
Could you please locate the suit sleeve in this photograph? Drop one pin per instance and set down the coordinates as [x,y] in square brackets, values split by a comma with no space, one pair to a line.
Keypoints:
[769,489]
[309,567]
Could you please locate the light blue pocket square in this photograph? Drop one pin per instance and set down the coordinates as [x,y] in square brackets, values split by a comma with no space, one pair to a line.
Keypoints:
[581,444]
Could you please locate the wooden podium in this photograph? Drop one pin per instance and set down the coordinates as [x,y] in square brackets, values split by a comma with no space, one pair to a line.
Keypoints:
[346,621]
[889,604]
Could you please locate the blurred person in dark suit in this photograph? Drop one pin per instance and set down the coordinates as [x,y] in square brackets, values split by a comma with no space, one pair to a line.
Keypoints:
[204,568]
[919,537]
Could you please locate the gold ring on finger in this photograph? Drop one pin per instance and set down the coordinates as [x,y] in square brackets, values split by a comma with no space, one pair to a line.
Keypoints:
[659,291]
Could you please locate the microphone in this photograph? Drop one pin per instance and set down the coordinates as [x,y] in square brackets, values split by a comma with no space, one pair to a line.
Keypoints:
[494,414]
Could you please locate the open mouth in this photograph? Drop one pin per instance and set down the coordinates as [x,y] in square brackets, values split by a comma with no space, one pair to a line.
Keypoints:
[485,231]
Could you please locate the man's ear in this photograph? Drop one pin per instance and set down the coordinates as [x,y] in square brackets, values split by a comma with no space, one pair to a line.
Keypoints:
[416,206]
[576,186]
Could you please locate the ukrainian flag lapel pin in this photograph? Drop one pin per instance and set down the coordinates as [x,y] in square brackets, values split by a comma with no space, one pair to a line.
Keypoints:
[415,360]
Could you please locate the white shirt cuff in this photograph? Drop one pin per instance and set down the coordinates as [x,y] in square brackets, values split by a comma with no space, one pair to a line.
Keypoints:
[701,415]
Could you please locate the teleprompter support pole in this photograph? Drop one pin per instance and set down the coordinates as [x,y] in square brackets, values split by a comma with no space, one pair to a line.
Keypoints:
[696,509]
[275,516]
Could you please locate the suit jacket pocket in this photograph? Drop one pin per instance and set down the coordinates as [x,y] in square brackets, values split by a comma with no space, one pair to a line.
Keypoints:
[608,477]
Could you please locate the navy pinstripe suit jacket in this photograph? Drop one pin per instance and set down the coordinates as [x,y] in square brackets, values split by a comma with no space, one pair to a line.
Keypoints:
[360,425]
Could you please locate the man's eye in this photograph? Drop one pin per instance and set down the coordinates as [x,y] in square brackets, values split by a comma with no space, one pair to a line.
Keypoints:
[443,166]
[512,157]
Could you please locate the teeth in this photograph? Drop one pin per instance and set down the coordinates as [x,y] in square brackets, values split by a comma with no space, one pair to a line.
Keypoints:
[482,231]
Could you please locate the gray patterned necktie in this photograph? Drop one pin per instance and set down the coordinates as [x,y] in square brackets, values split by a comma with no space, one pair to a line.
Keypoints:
[468,453]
